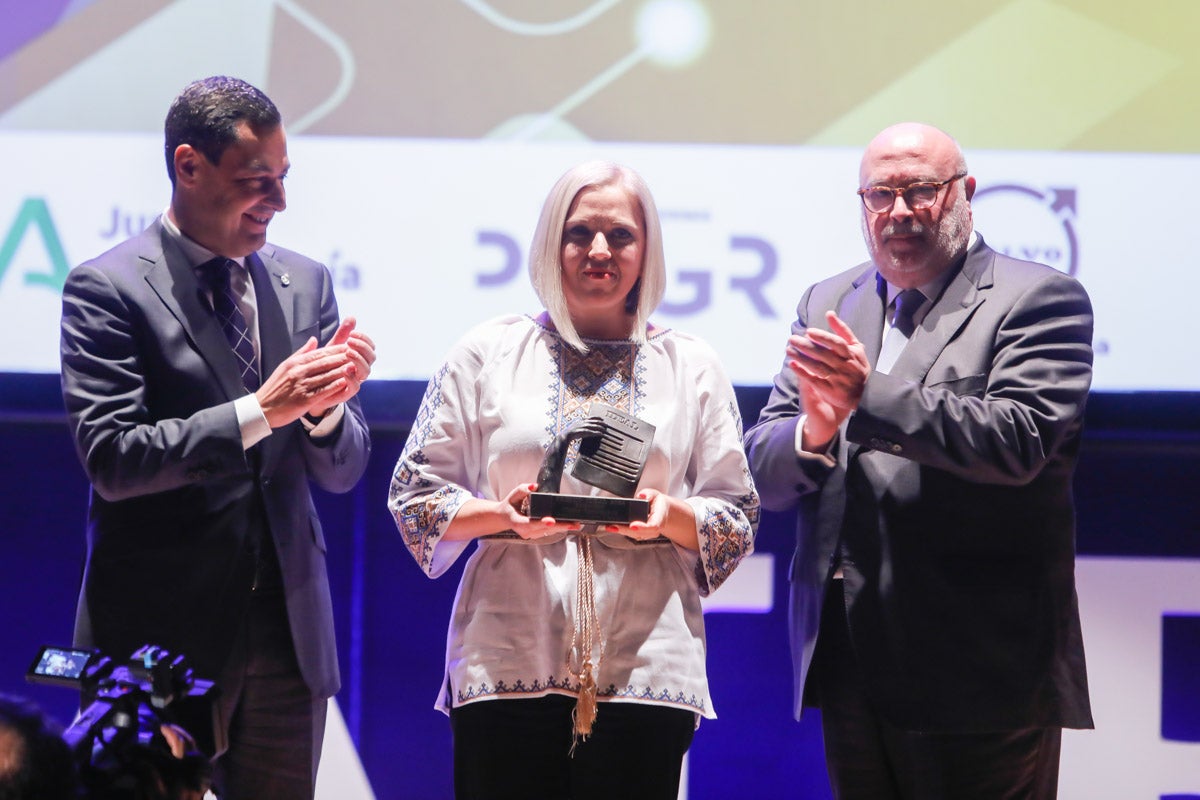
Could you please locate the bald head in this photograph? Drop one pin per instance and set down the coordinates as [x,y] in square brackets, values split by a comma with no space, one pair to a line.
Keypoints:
[911,247]
[910,143]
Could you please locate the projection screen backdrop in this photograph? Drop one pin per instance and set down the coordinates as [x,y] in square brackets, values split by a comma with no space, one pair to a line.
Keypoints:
[425,135]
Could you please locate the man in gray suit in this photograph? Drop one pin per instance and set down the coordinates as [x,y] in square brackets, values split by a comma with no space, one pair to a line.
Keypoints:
[208,380]
[933,610]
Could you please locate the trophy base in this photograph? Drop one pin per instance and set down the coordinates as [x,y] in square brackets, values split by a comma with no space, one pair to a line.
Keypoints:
[583,508]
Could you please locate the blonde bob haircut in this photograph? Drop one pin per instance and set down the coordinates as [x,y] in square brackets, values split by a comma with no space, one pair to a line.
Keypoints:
[545,264]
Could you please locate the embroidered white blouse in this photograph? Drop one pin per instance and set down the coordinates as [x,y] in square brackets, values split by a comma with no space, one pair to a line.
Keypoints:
[488,416]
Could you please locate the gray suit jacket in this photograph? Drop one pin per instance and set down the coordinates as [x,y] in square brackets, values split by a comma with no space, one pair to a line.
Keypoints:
[950,499]
[178,506]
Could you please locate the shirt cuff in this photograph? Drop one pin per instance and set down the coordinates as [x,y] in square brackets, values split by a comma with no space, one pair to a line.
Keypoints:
[328,423]
[822,456]
[251,420]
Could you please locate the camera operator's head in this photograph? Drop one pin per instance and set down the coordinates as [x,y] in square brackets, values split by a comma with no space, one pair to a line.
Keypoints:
[35,762]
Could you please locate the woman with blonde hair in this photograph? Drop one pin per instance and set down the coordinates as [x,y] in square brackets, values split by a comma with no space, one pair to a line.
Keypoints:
[575,663]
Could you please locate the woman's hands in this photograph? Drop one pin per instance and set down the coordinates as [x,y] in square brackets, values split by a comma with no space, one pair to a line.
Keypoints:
[669,517]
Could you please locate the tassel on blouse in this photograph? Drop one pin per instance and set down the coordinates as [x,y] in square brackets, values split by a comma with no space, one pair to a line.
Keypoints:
[583,643]
[585,707]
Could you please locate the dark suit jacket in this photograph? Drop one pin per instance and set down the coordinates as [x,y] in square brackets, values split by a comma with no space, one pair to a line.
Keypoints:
[177,505]
[950,499]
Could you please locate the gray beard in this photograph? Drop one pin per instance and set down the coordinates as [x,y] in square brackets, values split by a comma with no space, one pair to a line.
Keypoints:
[950,238]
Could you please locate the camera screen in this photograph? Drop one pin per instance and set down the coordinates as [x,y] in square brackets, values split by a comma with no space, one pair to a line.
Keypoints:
[59,665]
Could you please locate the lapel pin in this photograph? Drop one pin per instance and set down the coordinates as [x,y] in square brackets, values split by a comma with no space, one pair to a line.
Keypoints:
[285,279]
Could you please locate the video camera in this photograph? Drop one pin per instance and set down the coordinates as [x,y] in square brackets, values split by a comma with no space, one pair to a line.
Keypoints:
[130,702]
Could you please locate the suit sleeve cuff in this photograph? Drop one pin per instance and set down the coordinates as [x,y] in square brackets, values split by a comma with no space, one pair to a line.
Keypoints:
[326,424]
[822,456]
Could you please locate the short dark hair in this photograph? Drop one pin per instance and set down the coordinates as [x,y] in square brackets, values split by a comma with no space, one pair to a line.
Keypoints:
[35,762]
[207,113]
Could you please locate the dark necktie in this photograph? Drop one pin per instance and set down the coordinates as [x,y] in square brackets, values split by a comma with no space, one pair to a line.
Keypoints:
[233,323]
[907,303]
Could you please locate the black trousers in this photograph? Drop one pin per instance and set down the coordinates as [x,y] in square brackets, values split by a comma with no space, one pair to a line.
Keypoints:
[870,759]
[276,726]
[521,749]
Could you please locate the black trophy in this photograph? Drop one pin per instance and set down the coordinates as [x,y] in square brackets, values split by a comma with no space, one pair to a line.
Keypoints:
[613,447]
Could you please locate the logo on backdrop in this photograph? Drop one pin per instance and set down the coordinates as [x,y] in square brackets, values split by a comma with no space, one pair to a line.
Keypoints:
[33,220]
[694,289]
[1029,223]
[31,244]
[123,224]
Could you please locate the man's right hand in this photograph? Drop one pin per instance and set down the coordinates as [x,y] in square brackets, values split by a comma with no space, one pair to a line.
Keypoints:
[310,377]
[831,369]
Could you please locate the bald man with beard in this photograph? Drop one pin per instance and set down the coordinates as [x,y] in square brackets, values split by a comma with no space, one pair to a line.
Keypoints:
[928,441]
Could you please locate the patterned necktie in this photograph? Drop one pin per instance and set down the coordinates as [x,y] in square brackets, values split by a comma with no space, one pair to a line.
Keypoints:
[233,323]
[907,303]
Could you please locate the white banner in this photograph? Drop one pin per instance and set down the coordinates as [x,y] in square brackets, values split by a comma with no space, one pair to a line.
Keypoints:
[426,238]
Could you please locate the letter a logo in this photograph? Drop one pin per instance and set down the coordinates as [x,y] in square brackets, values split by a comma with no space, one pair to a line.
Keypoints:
[35,213]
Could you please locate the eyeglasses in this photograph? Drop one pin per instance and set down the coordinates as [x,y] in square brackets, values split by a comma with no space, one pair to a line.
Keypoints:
[880,199]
